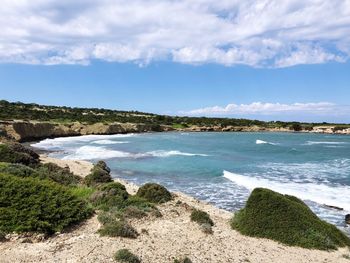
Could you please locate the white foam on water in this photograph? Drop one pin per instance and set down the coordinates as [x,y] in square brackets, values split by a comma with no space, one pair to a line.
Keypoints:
[264,142]
[93,152]
[89,152]
[324,142]
[162,153]
[53,144]
[319,193]
[106,142]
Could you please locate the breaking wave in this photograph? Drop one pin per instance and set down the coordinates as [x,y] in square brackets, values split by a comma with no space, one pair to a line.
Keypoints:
[337,195]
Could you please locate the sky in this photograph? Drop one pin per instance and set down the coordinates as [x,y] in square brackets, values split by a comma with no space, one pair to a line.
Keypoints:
[257,59]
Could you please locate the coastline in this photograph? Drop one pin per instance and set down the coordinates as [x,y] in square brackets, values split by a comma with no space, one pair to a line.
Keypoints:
[27,131]
[163,240]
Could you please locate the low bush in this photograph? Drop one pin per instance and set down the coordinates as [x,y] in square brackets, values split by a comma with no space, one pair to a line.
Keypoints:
[201,217]
[16,169]
[17,153]
[110,195]
[124,255]
[140,203]
[154,193]
[58,174]
[48,171]
[286,219]
[133,212]
[33,205]
[100,174]
[117,228]
[183,260]
[82,192]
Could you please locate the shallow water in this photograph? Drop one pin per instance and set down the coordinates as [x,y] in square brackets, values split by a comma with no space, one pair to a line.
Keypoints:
[222,168]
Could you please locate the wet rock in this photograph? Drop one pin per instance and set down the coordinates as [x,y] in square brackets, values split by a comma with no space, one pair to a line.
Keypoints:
[347,219]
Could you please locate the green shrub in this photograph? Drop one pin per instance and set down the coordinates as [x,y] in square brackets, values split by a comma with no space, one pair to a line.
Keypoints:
[110,195]
[201,217]
[140,203]
[17,153]
[107,217]
[57,174]
[124,255]
[183,260]
[33,205]
[117,228]
[100,174]
[133,212]
[154,193]
[286,219]
[41,171]
[82,192]
[16,169]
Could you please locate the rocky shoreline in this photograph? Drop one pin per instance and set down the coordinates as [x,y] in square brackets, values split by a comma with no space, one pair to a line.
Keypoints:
[24,131]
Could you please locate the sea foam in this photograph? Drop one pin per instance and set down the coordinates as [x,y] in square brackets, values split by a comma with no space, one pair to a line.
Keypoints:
[337,195]
[89,152]
[324,142]
[57,143]
[264,142]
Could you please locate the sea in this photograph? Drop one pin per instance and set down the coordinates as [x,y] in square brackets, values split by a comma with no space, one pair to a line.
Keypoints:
[223,168]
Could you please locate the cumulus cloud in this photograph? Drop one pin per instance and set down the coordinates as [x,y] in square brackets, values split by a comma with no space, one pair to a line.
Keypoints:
[259,33]
[260,108]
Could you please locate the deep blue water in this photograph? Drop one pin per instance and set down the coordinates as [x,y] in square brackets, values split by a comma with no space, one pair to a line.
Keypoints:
[222,168]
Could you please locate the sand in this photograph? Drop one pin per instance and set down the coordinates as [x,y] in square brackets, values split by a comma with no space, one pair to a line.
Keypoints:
[161,239]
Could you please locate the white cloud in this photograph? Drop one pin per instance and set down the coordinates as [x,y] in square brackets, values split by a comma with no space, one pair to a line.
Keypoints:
[260,108]
[260,33]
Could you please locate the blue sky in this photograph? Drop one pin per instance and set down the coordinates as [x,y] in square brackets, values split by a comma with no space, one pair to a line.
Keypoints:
[254,59]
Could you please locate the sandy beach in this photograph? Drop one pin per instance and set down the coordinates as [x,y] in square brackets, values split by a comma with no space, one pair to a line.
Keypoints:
[161,240]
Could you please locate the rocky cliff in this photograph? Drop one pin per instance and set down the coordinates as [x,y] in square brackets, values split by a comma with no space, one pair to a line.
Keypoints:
[28,131]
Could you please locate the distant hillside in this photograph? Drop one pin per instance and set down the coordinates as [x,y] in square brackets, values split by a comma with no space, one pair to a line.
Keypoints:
[30,111]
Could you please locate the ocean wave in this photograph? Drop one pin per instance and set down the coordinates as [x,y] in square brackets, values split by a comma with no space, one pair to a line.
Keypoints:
[58,143]
[324,142]
[109,142]
[95,152]
[337,195]
[162,153]
[264,142]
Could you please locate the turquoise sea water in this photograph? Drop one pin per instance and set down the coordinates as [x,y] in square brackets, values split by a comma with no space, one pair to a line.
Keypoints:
[222,168]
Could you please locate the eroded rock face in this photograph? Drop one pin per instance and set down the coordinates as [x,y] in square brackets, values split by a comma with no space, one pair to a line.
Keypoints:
[27,131]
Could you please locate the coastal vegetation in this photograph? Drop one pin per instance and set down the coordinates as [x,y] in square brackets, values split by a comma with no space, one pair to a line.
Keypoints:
[203,219]
[34,205]
[10,111]
[288,220]
[124,255]
[183,260]
[100,173]
[154,193]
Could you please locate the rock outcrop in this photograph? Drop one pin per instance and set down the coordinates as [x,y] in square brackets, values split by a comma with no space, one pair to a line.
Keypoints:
[28,131]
